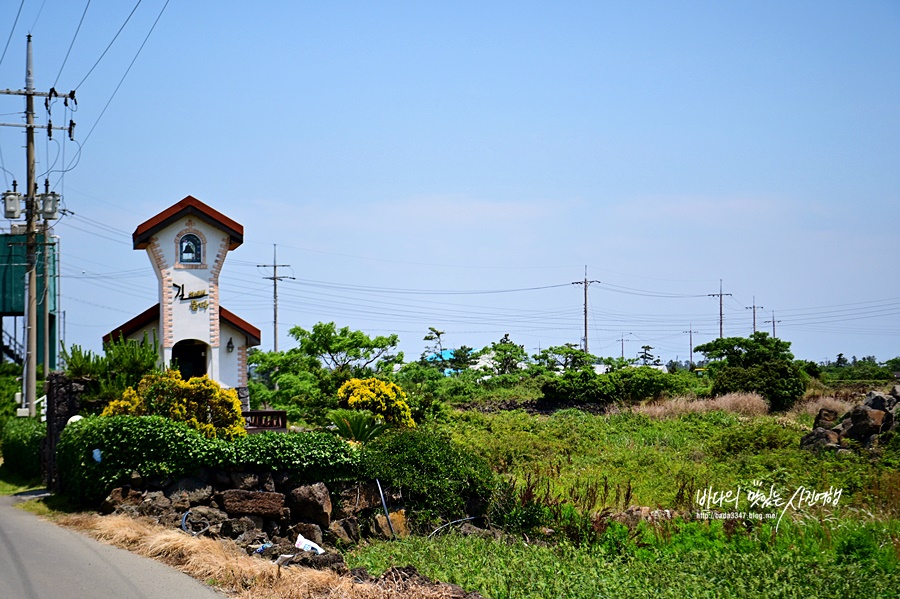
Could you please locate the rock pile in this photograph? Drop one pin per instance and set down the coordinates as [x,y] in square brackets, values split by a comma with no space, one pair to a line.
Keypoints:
[868,425]
[264,511]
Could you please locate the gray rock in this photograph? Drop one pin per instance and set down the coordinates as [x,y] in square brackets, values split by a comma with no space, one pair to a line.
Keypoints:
[248,481]
[311,503]
[826,418]
[194,490]
[819,439]
[345,531]
[310,531]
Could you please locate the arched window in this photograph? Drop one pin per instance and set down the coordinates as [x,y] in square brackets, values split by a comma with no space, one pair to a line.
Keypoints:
[189,249]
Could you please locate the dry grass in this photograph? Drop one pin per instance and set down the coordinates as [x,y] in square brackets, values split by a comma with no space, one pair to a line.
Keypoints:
[223,565]
[745,404]
[812,406]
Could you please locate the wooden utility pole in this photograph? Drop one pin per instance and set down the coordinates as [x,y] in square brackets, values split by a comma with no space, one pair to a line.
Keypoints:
[721,316]
[586,284]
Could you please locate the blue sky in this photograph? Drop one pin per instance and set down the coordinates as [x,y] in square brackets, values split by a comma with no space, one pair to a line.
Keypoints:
[397,148]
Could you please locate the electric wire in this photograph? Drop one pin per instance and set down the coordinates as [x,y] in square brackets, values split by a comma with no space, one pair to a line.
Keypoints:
[12,31]
[115,37]
[74,37]
[122,80]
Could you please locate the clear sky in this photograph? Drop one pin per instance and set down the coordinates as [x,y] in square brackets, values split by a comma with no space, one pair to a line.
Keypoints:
[405,155]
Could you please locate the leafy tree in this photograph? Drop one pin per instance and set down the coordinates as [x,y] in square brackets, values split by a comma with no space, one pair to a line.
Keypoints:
[646,357]
[759,363]
[507,356]
[434,354]
[463,358]
[743,352]
[564,357]
[305,379]
[200,403]
[345,352]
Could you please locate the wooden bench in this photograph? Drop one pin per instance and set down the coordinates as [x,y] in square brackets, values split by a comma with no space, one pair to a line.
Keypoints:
[257,421]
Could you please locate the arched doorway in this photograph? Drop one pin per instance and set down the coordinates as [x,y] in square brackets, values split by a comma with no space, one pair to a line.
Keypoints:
[190,357]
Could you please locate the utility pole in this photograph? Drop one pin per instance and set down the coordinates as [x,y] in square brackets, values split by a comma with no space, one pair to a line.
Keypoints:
[623,343]
[754,308]
[773,321]
[32,214]
[275,278]
[586,284]
[690,333]
[721,317]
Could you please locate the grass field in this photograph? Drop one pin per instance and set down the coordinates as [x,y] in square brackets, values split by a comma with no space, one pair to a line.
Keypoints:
[661,457]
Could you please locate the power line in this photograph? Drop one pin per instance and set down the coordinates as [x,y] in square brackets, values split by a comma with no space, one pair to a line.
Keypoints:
[586,284]
[275,278]
[721,315]
[128,18]
[72,44]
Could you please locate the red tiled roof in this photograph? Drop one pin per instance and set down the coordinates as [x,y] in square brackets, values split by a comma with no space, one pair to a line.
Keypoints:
[188,206]
[148,316]
[242,325]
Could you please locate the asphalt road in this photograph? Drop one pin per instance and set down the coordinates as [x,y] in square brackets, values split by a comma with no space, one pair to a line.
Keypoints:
[39,560]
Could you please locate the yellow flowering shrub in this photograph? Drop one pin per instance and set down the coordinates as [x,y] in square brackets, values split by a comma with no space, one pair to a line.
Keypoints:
[383,398]
[201,403]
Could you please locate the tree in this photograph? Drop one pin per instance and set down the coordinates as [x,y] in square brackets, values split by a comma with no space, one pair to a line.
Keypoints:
[744,352]
[646,357]
[760,364]
[462,358]
[384,399]
[507,356]
[434,354]
[346,351]
[304,380]
[564,357]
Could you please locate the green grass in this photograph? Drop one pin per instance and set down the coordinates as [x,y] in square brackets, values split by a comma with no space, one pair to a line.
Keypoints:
[661,461]
[839,559]
[12,483]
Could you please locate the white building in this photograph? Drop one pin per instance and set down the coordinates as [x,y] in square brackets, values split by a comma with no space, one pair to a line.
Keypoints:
[187,244]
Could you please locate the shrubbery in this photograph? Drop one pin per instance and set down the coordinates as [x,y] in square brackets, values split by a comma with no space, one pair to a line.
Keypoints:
[626,384]
[201,403]
[154,446]
[383,398]
[439,478]
[778,381]
[20,444]
[149,445]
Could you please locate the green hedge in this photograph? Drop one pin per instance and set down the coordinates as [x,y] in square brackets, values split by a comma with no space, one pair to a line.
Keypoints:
[154,446]
[20,444]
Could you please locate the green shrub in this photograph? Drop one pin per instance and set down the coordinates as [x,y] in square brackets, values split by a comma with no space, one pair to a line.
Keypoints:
[201,403]
[439,479]
[149,445]
[355,425]
[154,446]
[582,386]
[759,436]
[311,456]
[20,444]
[780,382]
